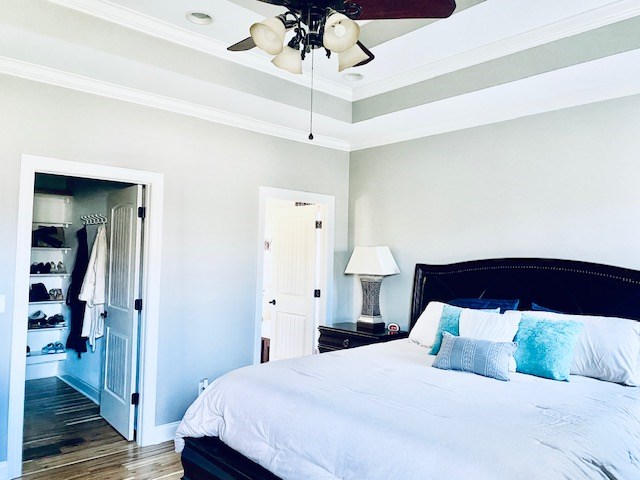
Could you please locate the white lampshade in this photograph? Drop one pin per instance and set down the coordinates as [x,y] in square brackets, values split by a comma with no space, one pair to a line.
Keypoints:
[374,261]
[269,35]
[340,33]
[289,59]
[351,57]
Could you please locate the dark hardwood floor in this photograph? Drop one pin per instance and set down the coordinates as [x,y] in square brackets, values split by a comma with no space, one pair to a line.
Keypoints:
[65,438]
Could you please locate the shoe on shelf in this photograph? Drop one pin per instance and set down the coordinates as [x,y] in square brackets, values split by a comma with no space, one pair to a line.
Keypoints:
[37,316]
[61,268]
[49,348]
[59,347]
[56,320]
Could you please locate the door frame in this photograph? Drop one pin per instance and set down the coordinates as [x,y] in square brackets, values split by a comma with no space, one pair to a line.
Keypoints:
[150,289]
[328,201]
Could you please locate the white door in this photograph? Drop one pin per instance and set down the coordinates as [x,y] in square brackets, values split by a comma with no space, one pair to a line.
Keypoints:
[121,324]
[294,261]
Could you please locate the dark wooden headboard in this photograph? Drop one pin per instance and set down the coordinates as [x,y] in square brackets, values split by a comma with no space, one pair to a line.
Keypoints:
[564,285]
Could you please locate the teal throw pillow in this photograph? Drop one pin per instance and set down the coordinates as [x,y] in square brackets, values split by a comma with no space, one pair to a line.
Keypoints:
[449,322]
[545,347]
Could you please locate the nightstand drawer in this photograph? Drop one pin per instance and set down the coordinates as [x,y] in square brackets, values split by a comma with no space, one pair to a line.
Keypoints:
[346,335]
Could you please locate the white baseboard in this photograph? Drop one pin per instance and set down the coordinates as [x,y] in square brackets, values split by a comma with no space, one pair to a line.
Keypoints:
[161,433]
[82,387]
[4,471]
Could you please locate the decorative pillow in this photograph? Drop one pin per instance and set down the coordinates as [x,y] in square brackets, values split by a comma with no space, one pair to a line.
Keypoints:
[485,304]
[540,308]
[495,327]
[449,322]
[483,357]
[545,347]
[608,347]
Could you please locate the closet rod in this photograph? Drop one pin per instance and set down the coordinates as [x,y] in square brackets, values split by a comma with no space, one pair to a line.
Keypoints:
[94,219]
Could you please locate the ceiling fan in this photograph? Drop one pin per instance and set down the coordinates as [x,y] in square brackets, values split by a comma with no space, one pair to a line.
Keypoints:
[330,24]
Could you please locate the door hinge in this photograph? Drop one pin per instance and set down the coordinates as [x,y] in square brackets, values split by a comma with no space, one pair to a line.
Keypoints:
[318,223]
[137,305]
[135,399]
[316,293]
[142,212]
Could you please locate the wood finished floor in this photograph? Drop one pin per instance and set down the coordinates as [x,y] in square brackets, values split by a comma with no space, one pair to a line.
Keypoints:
[65,439]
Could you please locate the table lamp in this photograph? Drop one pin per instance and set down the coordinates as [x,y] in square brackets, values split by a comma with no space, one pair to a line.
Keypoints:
[371,264]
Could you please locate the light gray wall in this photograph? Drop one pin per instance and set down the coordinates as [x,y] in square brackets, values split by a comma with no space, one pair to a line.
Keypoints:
[212,178]
[559,185]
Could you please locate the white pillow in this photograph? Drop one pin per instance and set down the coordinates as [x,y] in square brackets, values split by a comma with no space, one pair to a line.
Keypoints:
[608,347]
[425,329]
[494,327]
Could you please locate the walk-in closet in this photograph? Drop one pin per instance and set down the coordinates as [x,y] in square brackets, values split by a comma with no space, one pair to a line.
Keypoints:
[66,358]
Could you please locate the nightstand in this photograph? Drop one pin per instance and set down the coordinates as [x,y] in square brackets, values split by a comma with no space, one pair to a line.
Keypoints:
[346,335]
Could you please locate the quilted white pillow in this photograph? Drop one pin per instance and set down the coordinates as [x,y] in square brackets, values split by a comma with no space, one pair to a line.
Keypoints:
[608,347]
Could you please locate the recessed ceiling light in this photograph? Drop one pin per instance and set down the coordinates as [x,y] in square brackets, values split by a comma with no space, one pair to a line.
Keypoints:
[353,77]
[199,18]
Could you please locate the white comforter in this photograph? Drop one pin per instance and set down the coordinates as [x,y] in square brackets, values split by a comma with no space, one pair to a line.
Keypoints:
[382,412]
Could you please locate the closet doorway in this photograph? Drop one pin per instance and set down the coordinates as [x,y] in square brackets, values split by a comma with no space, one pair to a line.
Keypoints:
[85,338]
[296,254]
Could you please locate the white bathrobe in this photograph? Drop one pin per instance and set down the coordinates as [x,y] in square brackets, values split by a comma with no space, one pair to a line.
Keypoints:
[93,289]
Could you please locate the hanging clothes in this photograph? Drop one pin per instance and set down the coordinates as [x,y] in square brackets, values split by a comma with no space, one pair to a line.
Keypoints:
[76,306]
[93,289]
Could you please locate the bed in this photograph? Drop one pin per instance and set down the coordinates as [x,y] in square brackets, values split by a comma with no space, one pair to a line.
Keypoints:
[380,411]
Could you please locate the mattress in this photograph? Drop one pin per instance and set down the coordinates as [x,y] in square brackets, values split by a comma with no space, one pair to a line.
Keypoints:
[382,412]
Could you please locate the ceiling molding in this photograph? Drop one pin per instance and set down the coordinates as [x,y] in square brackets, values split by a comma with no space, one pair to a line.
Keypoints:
[93,86]
[577,24]
[160,29]
[608,78]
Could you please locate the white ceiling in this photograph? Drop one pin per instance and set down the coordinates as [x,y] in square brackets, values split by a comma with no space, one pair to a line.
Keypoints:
[407,63]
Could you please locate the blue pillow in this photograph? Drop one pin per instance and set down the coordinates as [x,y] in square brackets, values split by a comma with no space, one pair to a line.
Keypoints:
[485,303]
[545,347]
[490,359]
[540,308]
[449,322]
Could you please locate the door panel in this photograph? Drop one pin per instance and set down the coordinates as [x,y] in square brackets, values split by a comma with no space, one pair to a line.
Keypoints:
[121,324]
[294,250]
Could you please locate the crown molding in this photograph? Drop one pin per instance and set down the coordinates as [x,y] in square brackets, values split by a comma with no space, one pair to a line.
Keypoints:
[613,77]
[484,107]
[577,24]
[93,86]
[146,24]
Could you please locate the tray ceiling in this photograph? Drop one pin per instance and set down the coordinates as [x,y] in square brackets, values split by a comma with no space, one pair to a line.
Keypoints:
[491,61]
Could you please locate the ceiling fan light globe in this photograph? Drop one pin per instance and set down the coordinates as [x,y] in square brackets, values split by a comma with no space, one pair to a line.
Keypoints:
[289,59]
[268,35]
[340,33]
[351,57]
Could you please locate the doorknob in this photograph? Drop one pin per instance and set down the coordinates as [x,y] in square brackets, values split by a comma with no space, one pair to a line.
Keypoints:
[273,302]
[104,314]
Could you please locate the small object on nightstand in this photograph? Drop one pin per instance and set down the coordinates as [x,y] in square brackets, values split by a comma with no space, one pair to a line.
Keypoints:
[393,328]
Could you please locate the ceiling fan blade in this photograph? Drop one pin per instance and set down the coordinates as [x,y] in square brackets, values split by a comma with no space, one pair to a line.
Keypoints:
[367,52]
[246,44]
[396,9]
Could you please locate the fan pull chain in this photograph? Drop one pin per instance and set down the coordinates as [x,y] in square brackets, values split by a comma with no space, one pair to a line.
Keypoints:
[311,107]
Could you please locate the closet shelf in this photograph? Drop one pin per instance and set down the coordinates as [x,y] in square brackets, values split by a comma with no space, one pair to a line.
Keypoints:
[45,357]
[53,224]
[48,329]
[51,249]
[40,275]
[48,302]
